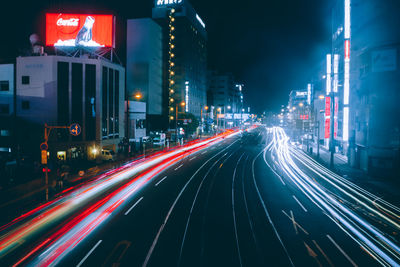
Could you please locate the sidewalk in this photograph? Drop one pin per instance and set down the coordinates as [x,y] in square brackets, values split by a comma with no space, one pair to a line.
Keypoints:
[383,187]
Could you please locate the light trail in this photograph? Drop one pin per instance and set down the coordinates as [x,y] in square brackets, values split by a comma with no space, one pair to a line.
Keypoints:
[381,245]
[42,219]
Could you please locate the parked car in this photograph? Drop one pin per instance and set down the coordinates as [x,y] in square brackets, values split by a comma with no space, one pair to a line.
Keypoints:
[108,155]
[157,141]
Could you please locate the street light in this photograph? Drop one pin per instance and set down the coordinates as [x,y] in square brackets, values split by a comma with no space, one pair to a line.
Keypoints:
[201,116]
[138,95]
[218,110]
[176,119]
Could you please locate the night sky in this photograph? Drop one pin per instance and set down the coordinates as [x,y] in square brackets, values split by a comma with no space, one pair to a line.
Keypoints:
[270,46]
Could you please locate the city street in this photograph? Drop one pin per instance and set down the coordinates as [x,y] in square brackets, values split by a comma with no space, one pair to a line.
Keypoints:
[243,200]
[200,133]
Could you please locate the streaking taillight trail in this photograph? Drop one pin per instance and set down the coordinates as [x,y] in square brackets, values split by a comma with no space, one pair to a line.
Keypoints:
[119,181]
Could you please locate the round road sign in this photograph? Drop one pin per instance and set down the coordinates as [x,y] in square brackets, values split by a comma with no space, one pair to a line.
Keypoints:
[44,146]
[75,129]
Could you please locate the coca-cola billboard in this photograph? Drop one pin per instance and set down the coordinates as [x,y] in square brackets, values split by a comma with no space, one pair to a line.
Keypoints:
[71,30]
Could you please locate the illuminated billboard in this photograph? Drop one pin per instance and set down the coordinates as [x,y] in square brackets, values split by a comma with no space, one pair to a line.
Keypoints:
[159,3]
[73,30]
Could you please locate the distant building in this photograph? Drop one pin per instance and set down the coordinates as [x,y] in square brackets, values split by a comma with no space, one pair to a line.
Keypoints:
[144,70]
[224,92]
[184,56]
[6,89]
[7,118]
[60,90]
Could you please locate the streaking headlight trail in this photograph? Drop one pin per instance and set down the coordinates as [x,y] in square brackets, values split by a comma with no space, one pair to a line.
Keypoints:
[341,200]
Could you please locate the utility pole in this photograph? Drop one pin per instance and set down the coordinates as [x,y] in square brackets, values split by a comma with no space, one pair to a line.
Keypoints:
[74,129]
[224,118]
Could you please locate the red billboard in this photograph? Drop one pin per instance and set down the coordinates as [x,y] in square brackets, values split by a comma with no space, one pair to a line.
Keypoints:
[327,128]
[71,30]
[327,106]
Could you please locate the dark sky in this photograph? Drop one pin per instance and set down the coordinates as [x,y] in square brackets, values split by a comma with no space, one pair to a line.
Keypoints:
[270,46]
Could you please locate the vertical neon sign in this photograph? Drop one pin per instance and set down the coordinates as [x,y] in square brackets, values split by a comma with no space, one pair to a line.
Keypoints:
[328,73]
[346,85]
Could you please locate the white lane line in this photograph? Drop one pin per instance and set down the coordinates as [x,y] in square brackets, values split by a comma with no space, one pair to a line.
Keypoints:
[150,252]
[301,205]
[281,179]
[192,158]
[159,182]
[90,252]
[178,167]
[341,250]
[134,205]
[204,152]
[323,253]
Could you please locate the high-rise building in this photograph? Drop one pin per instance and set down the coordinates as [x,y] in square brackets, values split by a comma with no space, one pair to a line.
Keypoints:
[184,57]
[144,70]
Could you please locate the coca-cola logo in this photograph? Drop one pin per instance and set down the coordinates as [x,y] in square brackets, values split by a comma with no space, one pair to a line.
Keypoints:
[67,22]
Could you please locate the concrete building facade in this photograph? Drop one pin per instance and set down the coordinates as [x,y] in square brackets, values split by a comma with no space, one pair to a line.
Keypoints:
[375,85]
[61,90]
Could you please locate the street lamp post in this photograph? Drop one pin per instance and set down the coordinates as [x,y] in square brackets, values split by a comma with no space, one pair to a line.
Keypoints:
[229,108]
[137,95]
[201,115]
[176,119]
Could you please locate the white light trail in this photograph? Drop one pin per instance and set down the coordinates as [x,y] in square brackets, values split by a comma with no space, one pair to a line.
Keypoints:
[358,225]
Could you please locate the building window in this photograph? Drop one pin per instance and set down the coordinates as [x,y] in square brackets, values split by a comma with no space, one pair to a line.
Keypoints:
[90,102]
[4,108]
[77,96]
[104,107]
[4,86]
[25,105]
[4,133]
[25,79]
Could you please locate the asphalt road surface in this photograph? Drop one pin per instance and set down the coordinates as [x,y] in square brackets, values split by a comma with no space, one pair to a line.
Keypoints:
[248,199]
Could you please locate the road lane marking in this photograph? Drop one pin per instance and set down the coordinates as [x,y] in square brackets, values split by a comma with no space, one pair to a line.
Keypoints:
[178,167]
[151,249]
[159,182]
[204,152]
[312,253]
[295,224]
[125,244]
[192,158]
[301,205]
[341,250]
[192,207]
[90,252]
[233,210]
[323,253]
[134,205]
[266,211]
